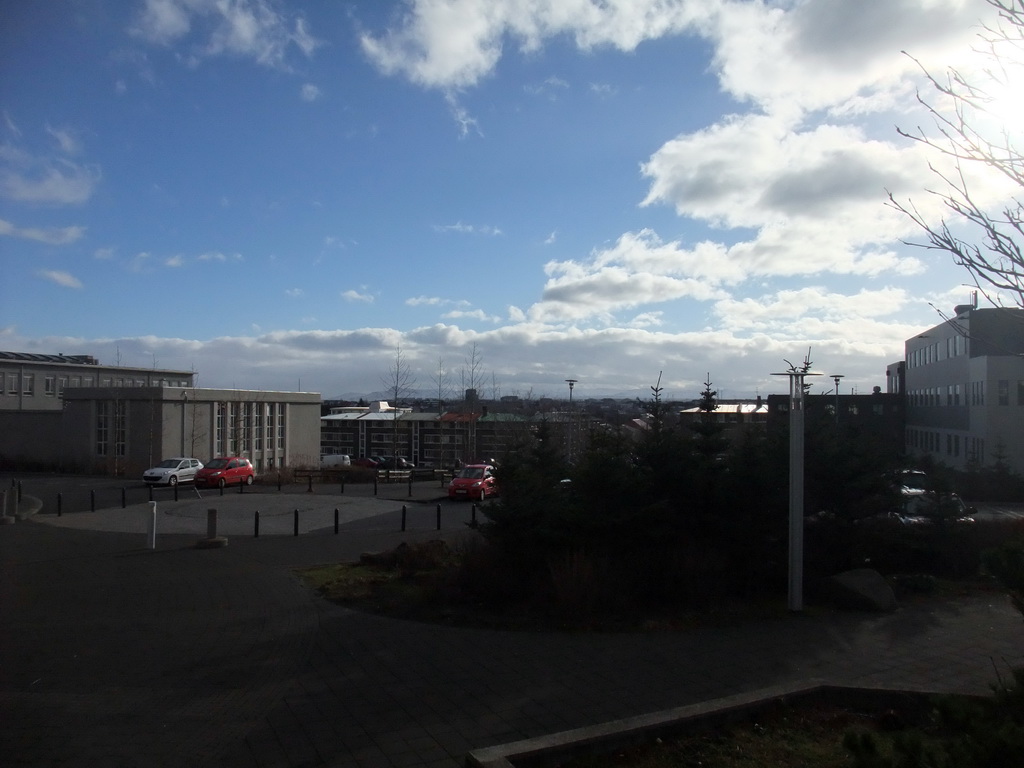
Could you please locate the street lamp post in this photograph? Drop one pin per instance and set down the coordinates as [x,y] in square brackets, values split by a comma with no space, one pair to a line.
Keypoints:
[796,482]
[571,383]
[836,377]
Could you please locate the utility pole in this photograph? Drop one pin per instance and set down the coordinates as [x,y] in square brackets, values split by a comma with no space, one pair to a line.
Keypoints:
[797,401]
[836,377]
[571,383]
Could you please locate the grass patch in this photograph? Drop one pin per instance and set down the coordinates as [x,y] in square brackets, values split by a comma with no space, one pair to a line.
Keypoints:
[808,733]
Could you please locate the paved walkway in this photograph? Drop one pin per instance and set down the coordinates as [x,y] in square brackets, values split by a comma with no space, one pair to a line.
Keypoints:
[112,654]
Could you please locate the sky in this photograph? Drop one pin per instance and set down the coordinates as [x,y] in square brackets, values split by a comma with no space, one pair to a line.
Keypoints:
[294,195]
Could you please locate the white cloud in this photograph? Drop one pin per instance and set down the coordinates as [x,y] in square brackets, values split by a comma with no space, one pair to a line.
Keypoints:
[61,278]
[50,236]
[468,229]
[309,92]
[249,28]
[44,179]
[174,261]
[353,295]
[294,293]
[66,140]
[452,44]
[471,314]
[822,54]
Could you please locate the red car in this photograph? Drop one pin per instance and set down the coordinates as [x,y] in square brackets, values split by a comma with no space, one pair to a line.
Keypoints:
[473,481]
[226,470]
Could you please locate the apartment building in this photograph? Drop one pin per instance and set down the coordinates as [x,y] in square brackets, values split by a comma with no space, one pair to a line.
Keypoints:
[963,383]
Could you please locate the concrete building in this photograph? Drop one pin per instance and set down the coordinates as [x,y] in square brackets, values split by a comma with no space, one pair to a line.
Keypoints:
[71,413]
[964,387]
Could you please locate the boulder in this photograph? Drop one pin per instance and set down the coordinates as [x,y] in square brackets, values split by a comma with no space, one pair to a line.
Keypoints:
[862,589]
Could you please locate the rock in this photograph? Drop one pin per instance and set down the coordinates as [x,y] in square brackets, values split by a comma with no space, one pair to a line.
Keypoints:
[862,589]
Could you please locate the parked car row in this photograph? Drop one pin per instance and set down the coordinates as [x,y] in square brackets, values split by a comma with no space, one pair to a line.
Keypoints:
[219,472]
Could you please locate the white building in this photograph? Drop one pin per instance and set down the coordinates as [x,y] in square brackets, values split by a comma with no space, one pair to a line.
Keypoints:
[964,389]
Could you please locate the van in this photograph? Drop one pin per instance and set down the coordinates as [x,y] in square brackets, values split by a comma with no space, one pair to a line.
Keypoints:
[335,460]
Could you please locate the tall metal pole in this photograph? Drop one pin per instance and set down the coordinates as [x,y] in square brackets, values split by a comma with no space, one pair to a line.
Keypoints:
[571,383]
[836,377]
[796,485]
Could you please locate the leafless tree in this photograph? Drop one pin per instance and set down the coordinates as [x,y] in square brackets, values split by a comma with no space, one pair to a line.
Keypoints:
[473,370]
[995,261]
[442,379]
[398,382]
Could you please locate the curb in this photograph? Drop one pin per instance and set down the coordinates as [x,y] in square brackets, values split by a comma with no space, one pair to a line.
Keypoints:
[557,748]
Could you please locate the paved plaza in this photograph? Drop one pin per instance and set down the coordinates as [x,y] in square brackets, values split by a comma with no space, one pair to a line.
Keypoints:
[116,654]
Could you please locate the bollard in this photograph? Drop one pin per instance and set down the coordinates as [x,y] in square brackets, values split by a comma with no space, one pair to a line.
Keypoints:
[375,485]
[335,521]
[241,485]
[212,540]
[403,517]
[150,487]
[124,497]
[342,482]
[19,491]
[410,485]
[296,524]
[439,517]
[256,526]
[222,488]
[92,500]
[60,503]
[175,491]
[472,519]
[279,481]
[309,487]
[152,526]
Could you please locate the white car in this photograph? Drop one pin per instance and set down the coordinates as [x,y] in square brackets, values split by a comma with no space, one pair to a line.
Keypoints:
[173,471]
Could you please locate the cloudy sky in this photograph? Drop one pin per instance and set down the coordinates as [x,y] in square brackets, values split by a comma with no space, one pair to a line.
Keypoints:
[278,195]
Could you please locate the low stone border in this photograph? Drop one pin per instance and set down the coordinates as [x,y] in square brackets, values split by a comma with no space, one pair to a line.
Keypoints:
[556,748]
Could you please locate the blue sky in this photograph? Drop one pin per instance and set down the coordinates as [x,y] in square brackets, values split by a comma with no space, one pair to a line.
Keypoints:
[281,195]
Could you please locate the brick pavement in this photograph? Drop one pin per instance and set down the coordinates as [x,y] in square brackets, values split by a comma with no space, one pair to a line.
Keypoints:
[115,655]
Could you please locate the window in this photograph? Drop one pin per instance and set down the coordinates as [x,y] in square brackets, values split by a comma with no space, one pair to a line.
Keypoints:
[12,383]
[62,384]
[1004,391]
[28,384]
[120,427]
[218,430]
[50,386]
[102,428]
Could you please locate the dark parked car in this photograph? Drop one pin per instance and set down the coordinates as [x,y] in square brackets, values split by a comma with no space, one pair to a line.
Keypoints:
[925,508]
[370,462]
[399,462]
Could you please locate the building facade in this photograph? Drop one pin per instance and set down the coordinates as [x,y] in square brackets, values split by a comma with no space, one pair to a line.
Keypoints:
[964,389]
[427,439]
[71,413]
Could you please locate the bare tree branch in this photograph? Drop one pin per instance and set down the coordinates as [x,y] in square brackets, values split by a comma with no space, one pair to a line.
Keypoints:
[994,260]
